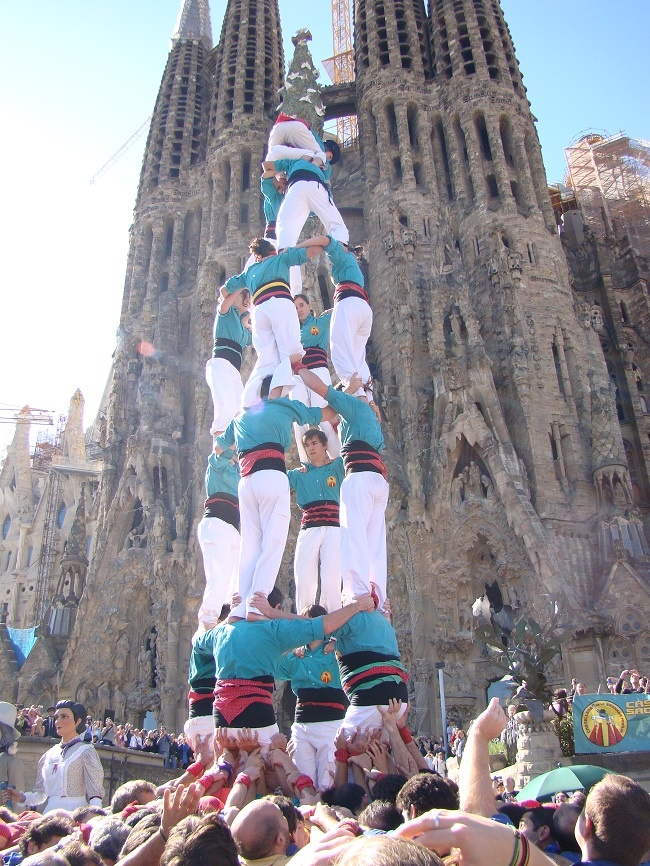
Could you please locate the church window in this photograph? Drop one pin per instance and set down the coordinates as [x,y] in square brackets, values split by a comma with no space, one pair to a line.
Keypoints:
[30,552]
[169,238]
[246,173]
[391,119]
[5,526]
[60,518]
[624,313]
[483,137]
[493,189]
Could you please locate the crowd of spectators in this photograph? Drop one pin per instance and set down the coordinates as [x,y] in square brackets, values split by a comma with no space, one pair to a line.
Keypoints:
[239,804]
[36,722]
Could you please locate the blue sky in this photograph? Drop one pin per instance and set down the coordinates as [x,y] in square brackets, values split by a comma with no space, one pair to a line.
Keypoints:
[79,78]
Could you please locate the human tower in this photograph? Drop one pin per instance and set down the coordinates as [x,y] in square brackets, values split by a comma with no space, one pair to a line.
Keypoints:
[341,485]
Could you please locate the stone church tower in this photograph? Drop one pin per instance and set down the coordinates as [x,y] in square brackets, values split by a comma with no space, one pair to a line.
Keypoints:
[505,451]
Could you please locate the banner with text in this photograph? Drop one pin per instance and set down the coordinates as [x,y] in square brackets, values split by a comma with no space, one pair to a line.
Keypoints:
[611,723]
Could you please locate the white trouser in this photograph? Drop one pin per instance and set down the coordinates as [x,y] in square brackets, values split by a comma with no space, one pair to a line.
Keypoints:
[264,510]
[264,735]
[286,151]
[314,753]
[367,717]
[364,497]
[226,388]
[303,197]
[296,134]
[219,542]
[275,332]
[322,542]
[310,398]
[349,332]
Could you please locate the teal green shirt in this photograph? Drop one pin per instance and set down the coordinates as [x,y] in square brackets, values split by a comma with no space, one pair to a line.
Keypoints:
[229,326]
[345,267]
[307,673]
[358,421]
[318,482]
[260,274]
[269,421]
[368,631]
[222,474]
[202,667]
[315,331]
[243,650]
[272,199]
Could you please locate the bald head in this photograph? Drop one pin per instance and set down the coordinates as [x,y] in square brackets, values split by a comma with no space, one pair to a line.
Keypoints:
[260,830]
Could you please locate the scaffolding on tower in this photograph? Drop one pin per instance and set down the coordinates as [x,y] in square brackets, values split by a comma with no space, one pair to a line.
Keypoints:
[611,178]
[340,67]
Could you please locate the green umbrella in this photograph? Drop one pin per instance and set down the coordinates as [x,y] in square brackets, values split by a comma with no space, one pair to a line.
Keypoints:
[574,778]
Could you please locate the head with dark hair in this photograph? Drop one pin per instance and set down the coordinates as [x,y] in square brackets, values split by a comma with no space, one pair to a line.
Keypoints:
[136,791]
[380,815]
[197,841]
[314,433]
[513,811]
[261,247]
[84,813]
[564,827]
[424,792]
[144,829]
[384,851]
[107,838]
[388,787]
[301,297]
[178,837]
[78,713]
[44,833]
[349,795]
[537,826]
[275,597]
[285,805]
[78,854]
[615,822]
[313,611]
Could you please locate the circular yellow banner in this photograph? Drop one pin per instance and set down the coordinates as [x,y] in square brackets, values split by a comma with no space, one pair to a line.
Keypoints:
[604,723]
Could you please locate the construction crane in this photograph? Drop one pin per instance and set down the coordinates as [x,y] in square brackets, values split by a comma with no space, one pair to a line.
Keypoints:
[108,165]
[340,67]
[11,414]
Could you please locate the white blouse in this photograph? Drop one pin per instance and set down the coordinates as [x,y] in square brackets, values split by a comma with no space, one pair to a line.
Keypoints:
[73,774]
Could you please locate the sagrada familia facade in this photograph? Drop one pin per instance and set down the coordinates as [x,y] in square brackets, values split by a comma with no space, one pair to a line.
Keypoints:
[510,351]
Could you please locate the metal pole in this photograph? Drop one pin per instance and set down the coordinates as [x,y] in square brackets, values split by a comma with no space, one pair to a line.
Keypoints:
[443,707]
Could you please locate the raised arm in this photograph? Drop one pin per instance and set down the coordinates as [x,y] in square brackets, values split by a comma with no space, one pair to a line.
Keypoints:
[338,618]
[474,782]
[227,300]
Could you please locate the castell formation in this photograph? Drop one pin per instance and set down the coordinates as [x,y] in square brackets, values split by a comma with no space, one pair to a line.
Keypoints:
[456,354]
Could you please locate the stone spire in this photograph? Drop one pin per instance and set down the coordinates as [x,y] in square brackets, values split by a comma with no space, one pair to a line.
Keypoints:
[74,449]
[18,457]
[193,22]
[301,94]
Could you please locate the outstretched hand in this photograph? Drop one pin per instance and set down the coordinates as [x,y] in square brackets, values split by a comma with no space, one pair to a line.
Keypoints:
[178,804]
[491,722]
